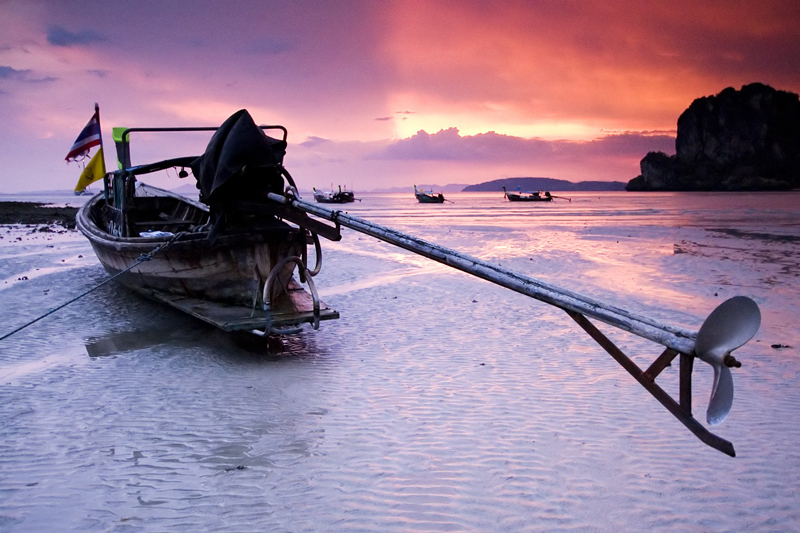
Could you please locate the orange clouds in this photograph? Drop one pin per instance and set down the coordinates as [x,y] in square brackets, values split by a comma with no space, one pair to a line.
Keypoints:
[369,75]
[623,64]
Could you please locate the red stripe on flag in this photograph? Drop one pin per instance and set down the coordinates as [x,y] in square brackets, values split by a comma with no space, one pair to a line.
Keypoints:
[88,138]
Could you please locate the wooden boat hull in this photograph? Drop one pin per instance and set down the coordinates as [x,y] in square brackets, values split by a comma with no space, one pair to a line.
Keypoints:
[332,200]
[518,198]
[229,274]
[341,197]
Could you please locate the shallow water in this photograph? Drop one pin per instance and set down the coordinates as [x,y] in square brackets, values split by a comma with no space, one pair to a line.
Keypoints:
[438,402]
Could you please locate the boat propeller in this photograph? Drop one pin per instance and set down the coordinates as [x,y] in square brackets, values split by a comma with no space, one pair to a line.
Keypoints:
[730,325]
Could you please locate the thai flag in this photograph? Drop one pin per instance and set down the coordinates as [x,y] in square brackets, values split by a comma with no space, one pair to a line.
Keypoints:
[89,137]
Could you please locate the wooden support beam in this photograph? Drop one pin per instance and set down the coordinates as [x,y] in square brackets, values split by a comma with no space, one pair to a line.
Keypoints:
[664,360]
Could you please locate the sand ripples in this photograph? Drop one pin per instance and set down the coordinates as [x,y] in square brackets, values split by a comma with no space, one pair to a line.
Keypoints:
[436,403]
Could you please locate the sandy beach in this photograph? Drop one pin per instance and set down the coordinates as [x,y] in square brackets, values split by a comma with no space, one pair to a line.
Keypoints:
[438,402]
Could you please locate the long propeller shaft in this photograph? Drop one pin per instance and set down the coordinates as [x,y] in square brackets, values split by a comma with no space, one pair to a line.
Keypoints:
[679,339]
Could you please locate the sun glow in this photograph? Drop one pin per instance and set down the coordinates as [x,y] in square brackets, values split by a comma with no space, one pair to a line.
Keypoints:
[467,126]
[483,118]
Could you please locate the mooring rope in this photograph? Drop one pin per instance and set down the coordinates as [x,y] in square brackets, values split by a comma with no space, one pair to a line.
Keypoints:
[141,259]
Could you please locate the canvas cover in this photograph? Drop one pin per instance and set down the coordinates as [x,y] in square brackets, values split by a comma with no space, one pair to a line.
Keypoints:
[240,161]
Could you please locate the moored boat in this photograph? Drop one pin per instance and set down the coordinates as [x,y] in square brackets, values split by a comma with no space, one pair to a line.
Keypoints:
[521,196]
[340,197]
[228,259]
[428,197]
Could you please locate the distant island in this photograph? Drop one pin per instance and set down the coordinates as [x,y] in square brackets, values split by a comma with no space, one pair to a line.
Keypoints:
[450,187]
[747,140]
[544,184]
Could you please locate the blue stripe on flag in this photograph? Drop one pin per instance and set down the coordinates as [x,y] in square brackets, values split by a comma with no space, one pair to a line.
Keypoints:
[89,137]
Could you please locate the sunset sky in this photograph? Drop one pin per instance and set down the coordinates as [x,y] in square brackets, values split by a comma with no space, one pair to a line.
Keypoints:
[379,94]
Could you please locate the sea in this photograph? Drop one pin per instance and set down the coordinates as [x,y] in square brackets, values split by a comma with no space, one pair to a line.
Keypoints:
[437,402]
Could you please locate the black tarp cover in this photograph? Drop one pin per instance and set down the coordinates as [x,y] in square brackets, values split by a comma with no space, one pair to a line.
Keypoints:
[236,158]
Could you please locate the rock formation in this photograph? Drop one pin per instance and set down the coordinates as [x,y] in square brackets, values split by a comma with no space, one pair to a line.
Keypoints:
[745,140]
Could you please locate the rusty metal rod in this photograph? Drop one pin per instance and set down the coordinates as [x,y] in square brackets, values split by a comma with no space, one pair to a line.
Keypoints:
[686,418]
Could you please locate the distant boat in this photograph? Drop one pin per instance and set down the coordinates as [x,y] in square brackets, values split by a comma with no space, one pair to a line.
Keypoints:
[428,197]
[341,197]
[520,196]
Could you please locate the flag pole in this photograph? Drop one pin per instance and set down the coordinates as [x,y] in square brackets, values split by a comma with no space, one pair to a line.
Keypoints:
[105,181]
[97,114]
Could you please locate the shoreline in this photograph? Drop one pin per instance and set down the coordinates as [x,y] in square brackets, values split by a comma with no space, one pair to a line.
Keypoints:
[36,213]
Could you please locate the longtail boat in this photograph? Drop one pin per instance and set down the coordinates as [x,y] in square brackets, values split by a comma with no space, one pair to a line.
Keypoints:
[226,259]
[428,197]
[339,197]
[523,196]
[534,196]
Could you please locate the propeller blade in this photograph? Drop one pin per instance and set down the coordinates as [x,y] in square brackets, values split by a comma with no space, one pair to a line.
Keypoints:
[721,395]
[730,325]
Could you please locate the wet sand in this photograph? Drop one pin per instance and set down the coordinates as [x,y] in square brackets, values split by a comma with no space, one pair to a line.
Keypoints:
[438,402]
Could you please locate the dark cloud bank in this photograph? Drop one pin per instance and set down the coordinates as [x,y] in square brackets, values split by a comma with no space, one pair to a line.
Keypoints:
[60,36]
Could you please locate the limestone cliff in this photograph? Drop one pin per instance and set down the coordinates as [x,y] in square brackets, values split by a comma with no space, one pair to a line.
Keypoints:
[743,140]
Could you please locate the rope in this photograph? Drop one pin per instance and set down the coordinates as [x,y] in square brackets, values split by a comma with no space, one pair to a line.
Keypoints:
[141,259]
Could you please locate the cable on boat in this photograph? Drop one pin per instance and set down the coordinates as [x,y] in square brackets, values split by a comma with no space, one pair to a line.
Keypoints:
[141,259]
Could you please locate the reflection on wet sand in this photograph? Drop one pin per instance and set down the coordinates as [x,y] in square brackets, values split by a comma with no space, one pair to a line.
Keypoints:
[189,334]
[128,341]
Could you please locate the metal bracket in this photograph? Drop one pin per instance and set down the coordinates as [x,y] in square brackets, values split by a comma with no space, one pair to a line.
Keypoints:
[682,411]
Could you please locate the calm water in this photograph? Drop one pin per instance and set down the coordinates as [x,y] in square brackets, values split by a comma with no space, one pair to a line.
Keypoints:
[438,402]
